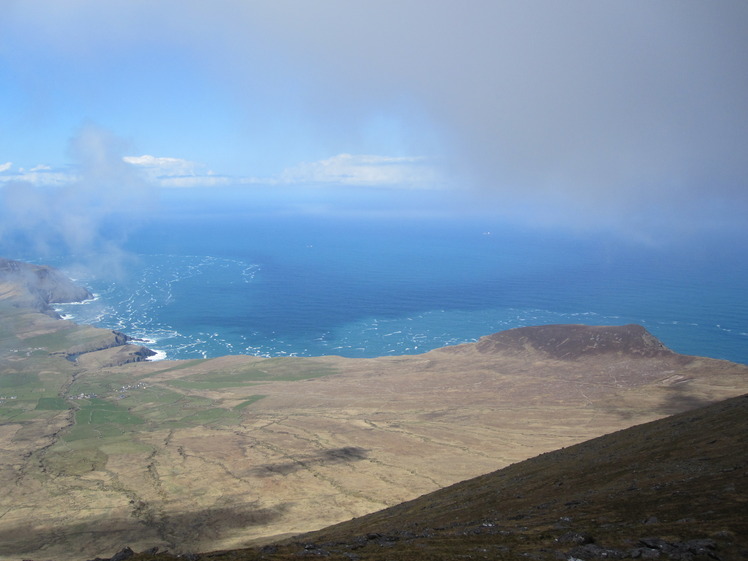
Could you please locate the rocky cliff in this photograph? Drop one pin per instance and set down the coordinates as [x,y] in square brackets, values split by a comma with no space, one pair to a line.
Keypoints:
[38,286]
[34,288]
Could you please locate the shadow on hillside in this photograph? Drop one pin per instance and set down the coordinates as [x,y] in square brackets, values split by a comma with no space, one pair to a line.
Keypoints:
[346,455]
[679,400]
[179,532]
[211,523]
[676,399]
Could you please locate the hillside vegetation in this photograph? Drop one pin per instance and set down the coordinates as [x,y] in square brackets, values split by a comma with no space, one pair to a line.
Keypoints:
[675,488]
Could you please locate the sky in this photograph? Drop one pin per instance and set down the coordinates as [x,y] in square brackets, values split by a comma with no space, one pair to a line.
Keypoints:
[600,116]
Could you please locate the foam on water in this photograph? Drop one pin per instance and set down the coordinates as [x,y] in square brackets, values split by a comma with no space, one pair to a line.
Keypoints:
[139,304]
[362,290]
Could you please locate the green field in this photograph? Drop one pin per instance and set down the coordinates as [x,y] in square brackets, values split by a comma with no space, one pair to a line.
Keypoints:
[268,370]
[18,380]
[97,418]
[249,401]
[52,404]
[103,413]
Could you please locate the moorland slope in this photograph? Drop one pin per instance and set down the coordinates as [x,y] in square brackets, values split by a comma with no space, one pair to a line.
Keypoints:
[676,488]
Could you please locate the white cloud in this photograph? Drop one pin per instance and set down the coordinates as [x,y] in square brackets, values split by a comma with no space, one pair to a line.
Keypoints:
[343,169]
[177,172]
[42,175]
[156,167]
[71,210]
[365,170]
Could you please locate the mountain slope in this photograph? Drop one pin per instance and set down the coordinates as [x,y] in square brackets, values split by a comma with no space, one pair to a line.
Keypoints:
[676,488]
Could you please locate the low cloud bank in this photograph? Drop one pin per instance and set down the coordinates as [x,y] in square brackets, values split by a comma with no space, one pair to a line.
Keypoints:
[624,116]
[85,214]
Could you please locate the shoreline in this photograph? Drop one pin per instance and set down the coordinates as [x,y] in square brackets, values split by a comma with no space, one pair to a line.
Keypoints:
[36,288]
[353,339]
[158,354]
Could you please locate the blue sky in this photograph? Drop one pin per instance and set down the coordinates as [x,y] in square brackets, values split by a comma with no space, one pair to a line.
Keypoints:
[621,116]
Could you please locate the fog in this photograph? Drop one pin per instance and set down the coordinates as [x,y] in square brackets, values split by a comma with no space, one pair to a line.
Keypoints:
[627,113]
[624,116]
[88,217]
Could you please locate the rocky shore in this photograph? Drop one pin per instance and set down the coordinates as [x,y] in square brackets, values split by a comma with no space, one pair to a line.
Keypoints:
[34,288]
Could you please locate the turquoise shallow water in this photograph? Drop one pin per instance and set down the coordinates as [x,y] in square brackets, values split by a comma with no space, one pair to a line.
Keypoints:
[361,287]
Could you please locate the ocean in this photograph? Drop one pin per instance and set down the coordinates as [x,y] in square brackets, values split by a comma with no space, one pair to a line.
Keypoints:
[210,282]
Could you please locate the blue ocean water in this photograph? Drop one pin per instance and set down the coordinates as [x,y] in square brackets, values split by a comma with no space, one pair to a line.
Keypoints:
[213,283]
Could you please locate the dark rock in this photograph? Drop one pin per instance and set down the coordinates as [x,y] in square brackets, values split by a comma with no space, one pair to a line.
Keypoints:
[408,535]
[388,539]
[701,548]
[700,545]
[656,543]
[594,551]
[679,551]
[123,554]
[577,538]
[313,549]
[644,553]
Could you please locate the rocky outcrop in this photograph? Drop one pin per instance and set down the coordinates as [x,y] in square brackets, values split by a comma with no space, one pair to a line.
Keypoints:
[113,356]
[104,340]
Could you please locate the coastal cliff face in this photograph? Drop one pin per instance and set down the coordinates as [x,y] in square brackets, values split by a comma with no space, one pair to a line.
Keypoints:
[34,288]
[198,455]
[38,286]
